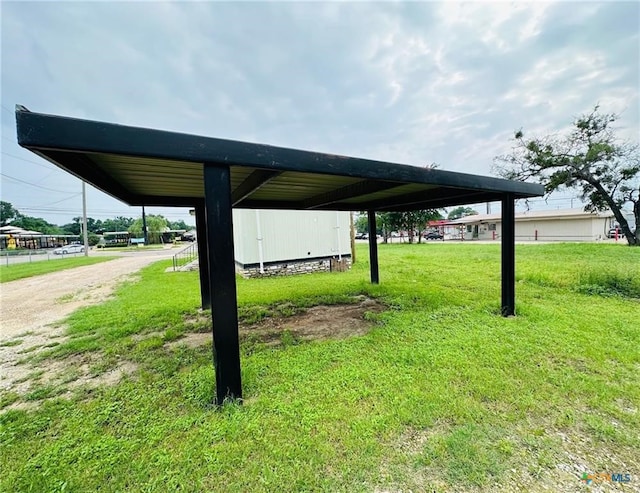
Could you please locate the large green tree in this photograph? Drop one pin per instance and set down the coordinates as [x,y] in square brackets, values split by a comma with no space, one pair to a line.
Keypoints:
[75,227]
[119,223]
[11,215]
[8,213]
[361,223]
[156,224]
[37,224]
[180,224]
[590,158]
[461,211]
[413,222]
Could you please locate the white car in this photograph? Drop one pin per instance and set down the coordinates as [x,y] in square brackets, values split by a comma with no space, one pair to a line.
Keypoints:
[75,248]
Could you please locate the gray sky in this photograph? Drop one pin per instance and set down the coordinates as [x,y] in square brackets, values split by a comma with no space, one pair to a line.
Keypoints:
[415,83]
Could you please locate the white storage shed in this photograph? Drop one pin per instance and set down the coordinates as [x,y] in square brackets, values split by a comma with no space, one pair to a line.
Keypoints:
[282,242]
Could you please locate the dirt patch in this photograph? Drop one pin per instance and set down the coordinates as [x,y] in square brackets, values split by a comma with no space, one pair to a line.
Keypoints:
[59,378]
[30,316]
[316,323]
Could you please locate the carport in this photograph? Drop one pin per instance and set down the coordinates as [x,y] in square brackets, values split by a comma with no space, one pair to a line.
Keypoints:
[149,167]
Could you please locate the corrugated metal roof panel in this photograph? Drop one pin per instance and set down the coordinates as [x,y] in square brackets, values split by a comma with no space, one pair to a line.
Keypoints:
[144,166]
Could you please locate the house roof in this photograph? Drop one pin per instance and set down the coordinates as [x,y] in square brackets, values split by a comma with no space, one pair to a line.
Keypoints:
[533,216]
[142,166]
[16,231]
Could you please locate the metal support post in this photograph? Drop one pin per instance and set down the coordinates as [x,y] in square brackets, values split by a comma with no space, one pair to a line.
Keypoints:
[203,259]
[508,256]
[373,248]
[222,282]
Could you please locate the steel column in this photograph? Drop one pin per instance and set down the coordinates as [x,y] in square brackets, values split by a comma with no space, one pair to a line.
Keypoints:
[508,256]
[222,282]
[373,248]
[203,260]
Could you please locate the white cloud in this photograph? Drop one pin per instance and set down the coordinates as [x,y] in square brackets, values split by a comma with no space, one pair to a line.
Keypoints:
[406,82]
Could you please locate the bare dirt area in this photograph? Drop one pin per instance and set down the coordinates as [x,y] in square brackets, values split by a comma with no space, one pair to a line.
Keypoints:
[316,323]
[30,307]
[32,310]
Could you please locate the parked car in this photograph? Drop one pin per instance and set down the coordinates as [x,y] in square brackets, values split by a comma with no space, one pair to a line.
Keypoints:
[73,248]
[612,233]
[433,235]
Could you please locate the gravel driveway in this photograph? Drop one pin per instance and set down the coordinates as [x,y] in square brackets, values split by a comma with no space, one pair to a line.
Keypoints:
[28,306]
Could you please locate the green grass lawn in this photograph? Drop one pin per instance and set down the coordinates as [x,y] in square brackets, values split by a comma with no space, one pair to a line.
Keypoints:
[13,272]
[443,394]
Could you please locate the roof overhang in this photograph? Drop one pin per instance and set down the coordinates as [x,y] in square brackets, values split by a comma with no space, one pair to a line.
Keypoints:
[142,166]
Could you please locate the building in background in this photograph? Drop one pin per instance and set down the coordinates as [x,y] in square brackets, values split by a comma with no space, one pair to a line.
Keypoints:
[550,225]
[283,242]
[15,238]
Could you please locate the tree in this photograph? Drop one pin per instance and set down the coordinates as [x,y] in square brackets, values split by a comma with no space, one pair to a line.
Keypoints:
[156,224]
[36,224]
[7,213]
[362,223]
[415,222]
[591,158]
[461,211]
[118,224]
[93,239]
[75,228]
[72,228]
[180,225]
[385,221]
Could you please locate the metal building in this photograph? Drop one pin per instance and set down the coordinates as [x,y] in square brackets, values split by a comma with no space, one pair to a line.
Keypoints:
[152,167]
[285,242]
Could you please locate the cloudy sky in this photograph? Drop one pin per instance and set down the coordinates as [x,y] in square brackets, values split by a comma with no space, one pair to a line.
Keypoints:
[416,83]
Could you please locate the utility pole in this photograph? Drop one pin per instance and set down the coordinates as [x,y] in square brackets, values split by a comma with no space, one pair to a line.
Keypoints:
[144,227]
[352,237]
[85,234]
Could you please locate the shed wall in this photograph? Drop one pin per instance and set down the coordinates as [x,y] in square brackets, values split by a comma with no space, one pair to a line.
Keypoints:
[290,235]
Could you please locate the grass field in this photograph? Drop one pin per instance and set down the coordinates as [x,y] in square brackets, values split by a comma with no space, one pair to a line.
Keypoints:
[442,394]
[13,272]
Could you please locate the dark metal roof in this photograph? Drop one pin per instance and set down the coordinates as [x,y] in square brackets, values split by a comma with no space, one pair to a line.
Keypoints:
[152,167]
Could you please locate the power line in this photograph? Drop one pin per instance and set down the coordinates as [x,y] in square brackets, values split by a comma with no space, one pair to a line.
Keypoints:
[7,109]
[28,161]
[58,211]
[56,202]
[33,185]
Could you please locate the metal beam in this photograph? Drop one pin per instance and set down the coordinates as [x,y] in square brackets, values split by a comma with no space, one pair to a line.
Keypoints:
[416,200]
[456,198]
[508,256]
[252,183]
[203,258]
[373,248]
[38,131]
[165,201]
[360,188]
[222,282]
